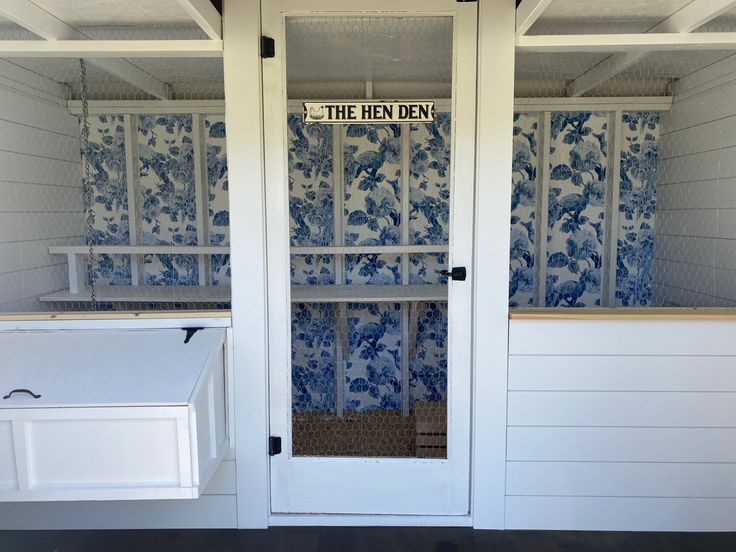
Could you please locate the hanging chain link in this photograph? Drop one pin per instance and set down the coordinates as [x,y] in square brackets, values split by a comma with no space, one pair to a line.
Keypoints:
[89,195]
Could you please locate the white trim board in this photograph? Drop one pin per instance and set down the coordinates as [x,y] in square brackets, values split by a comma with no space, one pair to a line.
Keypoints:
[117,49]
[632,103]
[613,43]
[321,520]
[156,107]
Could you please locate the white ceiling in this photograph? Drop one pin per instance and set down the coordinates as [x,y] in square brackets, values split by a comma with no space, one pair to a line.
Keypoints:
[116,12]
[353,50]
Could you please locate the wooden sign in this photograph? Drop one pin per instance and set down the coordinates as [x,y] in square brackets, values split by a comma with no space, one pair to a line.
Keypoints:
[337,113]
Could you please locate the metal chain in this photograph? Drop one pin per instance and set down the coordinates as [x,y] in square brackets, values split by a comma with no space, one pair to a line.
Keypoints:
[89,195]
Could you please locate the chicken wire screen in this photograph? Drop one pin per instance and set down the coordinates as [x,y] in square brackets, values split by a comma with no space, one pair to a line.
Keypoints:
[119,202]
[369,212]
[620,200]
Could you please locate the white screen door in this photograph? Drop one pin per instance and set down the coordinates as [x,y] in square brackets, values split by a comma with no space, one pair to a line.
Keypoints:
[369,342]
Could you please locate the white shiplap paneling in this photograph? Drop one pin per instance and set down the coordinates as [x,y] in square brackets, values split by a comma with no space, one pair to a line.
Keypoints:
[42,202]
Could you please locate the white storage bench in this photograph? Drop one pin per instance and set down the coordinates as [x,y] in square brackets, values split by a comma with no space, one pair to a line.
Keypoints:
[110,414]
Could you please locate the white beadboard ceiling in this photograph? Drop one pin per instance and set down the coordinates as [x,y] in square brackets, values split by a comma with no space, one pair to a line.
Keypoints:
[355,49]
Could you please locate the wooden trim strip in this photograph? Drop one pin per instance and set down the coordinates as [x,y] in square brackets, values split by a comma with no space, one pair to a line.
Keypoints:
[147,315]
[624,314]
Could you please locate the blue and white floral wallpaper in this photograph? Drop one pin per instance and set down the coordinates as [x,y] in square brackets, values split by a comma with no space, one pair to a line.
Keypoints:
[576,254]
[637,202]
[218,207]
[166,186]
[106,152]
[372,180]
[523,210]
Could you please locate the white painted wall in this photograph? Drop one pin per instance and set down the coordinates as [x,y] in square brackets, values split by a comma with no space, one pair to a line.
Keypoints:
[627,425]
[41,191]
[695,244]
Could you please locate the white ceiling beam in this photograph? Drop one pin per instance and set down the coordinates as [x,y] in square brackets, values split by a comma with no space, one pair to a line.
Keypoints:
[686,20]
[205,15]
[626,43]
[527,14]
[102,49]
[40,22]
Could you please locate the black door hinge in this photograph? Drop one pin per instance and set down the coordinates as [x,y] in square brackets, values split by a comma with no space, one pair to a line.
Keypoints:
[190,333]
[268,47]
[457,273]
[274,446]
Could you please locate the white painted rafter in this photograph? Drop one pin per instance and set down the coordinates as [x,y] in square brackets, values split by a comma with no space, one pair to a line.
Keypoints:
[40,22]
[686,20]
[205,15]
[103,51]
[639,44]
[527,14]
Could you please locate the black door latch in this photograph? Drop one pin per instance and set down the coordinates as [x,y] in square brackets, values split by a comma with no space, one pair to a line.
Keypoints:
[274,446]
[457,273]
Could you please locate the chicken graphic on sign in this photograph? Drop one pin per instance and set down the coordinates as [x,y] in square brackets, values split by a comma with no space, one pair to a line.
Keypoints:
[317,114]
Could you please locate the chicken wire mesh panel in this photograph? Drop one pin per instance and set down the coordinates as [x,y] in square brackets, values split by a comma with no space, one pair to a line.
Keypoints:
[369,378]
[116,200]
[620,200]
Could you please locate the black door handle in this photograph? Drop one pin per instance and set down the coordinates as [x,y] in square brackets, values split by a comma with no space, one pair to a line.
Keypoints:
[26,391]
[457,273]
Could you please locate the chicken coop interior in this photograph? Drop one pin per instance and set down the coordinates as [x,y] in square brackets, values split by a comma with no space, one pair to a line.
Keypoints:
[115,185]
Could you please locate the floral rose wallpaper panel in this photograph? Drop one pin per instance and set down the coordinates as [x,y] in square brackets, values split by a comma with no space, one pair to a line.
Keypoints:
[576,250]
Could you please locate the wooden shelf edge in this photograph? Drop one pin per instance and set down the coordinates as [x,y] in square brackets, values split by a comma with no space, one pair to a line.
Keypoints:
[132,315]
[673,313]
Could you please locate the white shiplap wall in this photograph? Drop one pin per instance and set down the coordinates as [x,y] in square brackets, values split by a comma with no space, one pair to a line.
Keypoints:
[695,245]
[41,190]
[621,425]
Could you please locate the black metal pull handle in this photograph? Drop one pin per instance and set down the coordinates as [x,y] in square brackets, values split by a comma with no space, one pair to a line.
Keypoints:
[26,391]
[457,273]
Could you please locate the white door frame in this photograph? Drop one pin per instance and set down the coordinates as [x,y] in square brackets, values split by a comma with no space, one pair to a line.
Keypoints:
[241,20]
[299,483]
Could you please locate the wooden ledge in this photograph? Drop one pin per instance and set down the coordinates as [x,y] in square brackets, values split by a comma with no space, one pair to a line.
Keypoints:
[623,314]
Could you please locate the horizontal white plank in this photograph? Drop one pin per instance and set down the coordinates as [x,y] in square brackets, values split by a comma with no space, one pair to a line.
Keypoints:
[20,197]
[622,373]
[23,255]
[39,226]
[621,409]
[32,282]
[21,79]
[203,513]
[708,106]
[223,481]
[609,444]
[145,294]
[612,43]
[693,277]
[698,166]
[142,250]
[628,337]
[17,167]
[368,294]
[644,103]
[23,109]
[365,249]
[148,107]
[621,514]
[714,135]
[621,479]
[111,48]
[24,139]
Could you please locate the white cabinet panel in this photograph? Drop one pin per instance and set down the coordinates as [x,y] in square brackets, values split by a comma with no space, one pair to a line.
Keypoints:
[111,415]
[8,476]
[102,453]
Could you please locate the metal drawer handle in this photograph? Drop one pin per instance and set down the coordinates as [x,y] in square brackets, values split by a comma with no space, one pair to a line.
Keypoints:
[26,391]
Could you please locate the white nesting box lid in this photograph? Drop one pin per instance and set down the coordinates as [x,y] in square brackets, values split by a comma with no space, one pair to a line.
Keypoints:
[104,367]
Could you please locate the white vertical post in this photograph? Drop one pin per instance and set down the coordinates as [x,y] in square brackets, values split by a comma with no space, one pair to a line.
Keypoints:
[77,272]
[244,121]
[610,263]
[132,177]
[20,450]
[496,52]
[200,191]
[405,236]
[545,148]
[338,201]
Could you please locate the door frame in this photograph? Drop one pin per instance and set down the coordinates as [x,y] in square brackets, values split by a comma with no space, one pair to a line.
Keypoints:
[297,483]
[244,113]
